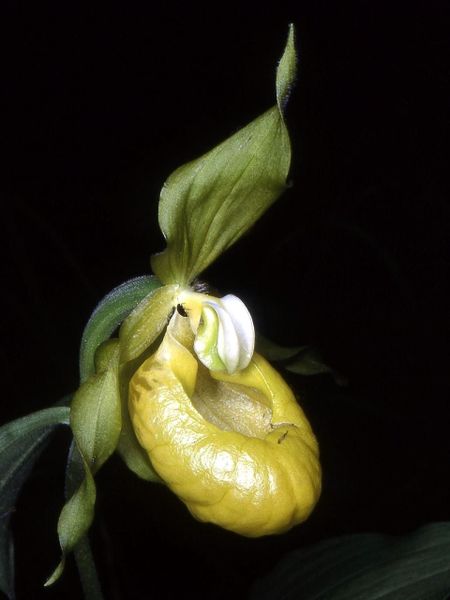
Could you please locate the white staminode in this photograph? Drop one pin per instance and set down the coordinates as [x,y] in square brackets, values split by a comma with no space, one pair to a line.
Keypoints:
[225,337]
[244,329]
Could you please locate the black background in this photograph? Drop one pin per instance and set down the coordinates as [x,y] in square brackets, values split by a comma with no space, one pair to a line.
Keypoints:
[101,105]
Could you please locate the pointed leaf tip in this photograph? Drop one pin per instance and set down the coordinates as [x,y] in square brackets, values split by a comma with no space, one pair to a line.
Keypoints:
[56,573]
[286,71]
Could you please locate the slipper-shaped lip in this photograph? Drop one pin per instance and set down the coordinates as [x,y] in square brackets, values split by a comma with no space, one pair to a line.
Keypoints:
[251,485]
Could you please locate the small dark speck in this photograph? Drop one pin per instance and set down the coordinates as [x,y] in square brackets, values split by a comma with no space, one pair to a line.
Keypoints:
[282,437]
[181,310]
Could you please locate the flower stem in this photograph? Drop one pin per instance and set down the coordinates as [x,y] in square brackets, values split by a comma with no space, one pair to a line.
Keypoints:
[87,570]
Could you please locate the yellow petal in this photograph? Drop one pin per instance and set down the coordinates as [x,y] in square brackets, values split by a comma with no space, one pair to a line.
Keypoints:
[237,449]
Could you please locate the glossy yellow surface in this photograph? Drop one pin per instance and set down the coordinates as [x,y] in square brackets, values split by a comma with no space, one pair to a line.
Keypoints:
[237,449]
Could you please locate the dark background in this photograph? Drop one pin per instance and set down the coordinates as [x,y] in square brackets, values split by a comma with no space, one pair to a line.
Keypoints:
[101,106]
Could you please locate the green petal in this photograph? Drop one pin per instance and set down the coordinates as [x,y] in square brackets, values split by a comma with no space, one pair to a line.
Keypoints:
[75,519]
[109,314]
[96,421]
[206,205]
[75,473]
[141,328]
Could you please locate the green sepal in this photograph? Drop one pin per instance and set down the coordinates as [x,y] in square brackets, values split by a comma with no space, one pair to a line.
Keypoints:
[109,314]
[96,421]
[207,204]
[21,443]
[141,328]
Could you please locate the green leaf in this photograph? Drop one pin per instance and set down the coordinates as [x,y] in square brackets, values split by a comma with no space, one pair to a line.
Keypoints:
[302,360]
[365,567]
[109,314]
[273,351]
[95,419]
[207,204]
[21,443]
[308,362]
[141,328]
